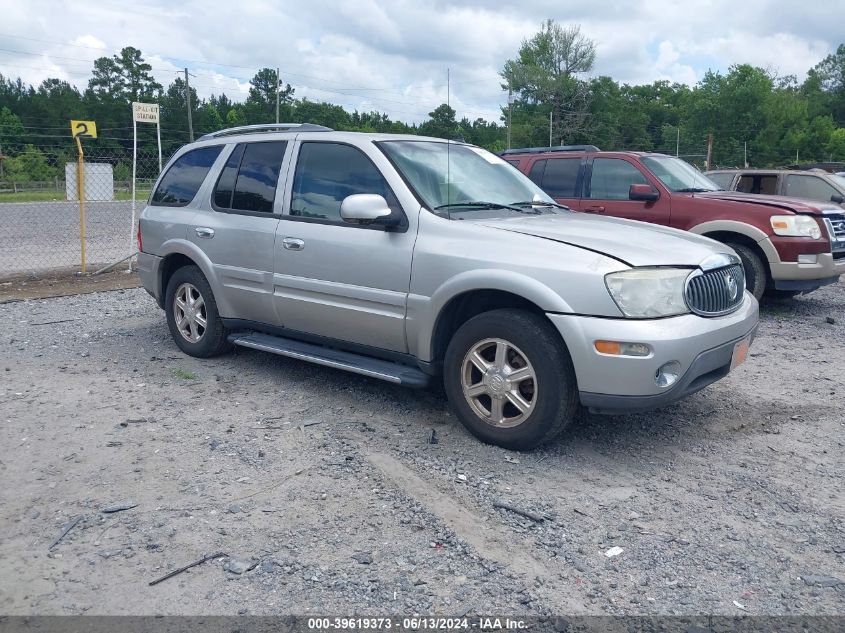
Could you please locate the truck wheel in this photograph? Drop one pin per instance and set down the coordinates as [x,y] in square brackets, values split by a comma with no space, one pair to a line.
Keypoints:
[755,270]
[510,379]
[192,314]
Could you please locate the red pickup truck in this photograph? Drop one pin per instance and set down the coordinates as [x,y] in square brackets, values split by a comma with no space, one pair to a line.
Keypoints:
[787,245]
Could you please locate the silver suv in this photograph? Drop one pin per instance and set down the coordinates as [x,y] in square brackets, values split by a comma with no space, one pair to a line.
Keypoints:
[404,258]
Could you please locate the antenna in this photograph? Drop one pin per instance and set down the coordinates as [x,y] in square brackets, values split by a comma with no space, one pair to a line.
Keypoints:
[448,145]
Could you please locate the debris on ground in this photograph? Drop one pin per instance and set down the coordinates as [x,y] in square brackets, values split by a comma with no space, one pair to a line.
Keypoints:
[119,507]
[176,572]
[240,565]
[519,511]
[432,439]
[814,580]
[68,527]
[365,558]
[614,551]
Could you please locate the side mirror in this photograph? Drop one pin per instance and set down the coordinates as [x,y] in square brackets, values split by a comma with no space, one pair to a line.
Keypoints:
[643,192]
[837,198]
[364,208]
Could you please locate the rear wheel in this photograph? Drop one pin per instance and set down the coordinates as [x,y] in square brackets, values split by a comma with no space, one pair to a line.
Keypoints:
[192,315]
[755,270]
[510,379]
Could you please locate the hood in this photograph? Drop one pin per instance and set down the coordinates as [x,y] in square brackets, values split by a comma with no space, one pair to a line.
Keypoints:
[630,242]
[797,205]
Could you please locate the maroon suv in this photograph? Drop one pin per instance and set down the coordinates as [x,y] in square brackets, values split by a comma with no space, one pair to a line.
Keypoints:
[787,245]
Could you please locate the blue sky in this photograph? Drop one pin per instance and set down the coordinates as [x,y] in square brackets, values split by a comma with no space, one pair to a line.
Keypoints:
[393,56]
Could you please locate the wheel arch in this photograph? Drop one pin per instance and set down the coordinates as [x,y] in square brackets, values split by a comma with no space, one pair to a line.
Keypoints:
[179,253]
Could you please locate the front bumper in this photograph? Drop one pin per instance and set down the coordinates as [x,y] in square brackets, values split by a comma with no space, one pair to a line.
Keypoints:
[702,346]
[795,276]
[148,271]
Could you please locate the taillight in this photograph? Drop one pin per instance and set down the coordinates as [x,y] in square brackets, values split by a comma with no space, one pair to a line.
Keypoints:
[140,241]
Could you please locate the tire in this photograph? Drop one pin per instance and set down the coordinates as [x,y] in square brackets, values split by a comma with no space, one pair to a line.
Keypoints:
[528,342]
[756,274]
[189,334]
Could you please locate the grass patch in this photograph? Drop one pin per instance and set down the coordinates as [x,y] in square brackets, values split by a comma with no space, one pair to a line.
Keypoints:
[183,374]
[60,196]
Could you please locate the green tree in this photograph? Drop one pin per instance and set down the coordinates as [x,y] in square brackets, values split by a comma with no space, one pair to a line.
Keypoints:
[30,165]
[260,104]
[441,123]
[11,132]
[546,71]
[825,86]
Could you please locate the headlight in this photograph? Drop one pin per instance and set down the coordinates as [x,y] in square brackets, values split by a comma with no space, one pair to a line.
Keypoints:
[795,226]
[649,292]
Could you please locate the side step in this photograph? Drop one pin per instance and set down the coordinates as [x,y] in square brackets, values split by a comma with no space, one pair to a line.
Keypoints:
[355,363]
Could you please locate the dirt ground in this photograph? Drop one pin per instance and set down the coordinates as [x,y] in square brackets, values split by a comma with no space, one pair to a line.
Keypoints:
[322,492]
[62,283]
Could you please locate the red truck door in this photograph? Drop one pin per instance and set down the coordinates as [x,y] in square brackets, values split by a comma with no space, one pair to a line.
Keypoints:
[607,187]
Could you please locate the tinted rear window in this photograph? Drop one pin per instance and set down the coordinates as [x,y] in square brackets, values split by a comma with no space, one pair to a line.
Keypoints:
[184,178]
[560,177]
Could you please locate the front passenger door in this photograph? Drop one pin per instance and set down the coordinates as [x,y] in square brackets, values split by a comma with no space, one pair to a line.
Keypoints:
[607,193]
[334,279]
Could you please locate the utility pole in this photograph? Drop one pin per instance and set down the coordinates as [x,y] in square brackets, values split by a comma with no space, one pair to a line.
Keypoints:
[277,95]
[678,143]
[550,128]
[510,107]
[745,154]
[709,152]
[188,99]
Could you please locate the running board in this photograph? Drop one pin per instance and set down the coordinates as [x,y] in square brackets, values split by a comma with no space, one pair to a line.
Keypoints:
[355,363]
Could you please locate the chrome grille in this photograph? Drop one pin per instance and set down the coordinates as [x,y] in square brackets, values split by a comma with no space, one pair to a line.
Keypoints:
[836,230]
[717,291]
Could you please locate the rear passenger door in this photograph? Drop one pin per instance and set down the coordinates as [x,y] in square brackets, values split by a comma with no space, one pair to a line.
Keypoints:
[237,230]
[606,192]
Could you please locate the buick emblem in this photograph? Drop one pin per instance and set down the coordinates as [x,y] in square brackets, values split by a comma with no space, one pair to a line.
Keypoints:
[733,288]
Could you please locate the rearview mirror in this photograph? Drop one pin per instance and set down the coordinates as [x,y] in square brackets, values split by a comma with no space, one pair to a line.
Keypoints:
[837,198]
[364,208]
[642,192]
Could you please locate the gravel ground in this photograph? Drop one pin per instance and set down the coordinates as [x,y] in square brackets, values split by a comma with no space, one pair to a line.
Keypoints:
[323,494]
[36,237]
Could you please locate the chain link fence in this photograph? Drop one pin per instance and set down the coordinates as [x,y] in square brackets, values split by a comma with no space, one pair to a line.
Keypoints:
[42,232]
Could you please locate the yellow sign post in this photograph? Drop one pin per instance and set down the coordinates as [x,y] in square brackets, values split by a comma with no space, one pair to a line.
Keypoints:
[82,129]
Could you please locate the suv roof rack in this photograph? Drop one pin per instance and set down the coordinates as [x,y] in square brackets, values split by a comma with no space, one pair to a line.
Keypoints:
[558,148]
[267,127]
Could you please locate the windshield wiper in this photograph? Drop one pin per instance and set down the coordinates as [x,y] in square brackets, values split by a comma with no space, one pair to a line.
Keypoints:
[480,205]
[693,190]
[539,203]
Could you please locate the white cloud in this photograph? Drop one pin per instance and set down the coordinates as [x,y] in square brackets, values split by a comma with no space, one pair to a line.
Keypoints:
[393,57]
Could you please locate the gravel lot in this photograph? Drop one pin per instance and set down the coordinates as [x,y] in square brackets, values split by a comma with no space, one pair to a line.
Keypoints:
[37,236]
[326,485]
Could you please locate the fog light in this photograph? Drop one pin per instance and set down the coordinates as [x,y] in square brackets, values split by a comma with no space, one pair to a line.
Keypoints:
[667,374]
[808,259]
[615,348]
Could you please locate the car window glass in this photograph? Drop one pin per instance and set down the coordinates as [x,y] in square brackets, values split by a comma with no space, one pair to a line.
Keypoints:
[811,187]
[612,177]
[560,177]
[723,180]
[746,184]
[185,176]
[536,172]
[255,187]
[768,185]
[226,183]
[326,173]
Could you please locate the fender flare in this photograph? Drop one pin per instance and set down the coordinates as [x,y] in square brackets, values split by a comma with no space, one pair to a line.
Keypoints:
[751,232]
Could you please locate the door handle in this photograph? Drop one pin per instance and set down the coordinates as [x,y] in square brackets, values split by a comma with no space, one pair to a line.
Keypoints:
[204,231]
[293,243]
[595,208]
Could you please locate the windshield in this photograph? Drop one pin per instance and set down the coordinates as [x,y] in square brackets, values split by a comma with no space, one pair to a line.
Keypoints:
[446,175]
[679,175]
[838,179]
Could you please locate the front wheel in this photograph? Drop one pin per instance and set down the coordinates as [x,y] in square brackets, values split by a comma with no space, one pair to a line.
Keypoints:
[510,379]
[192,316]
[755,269]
